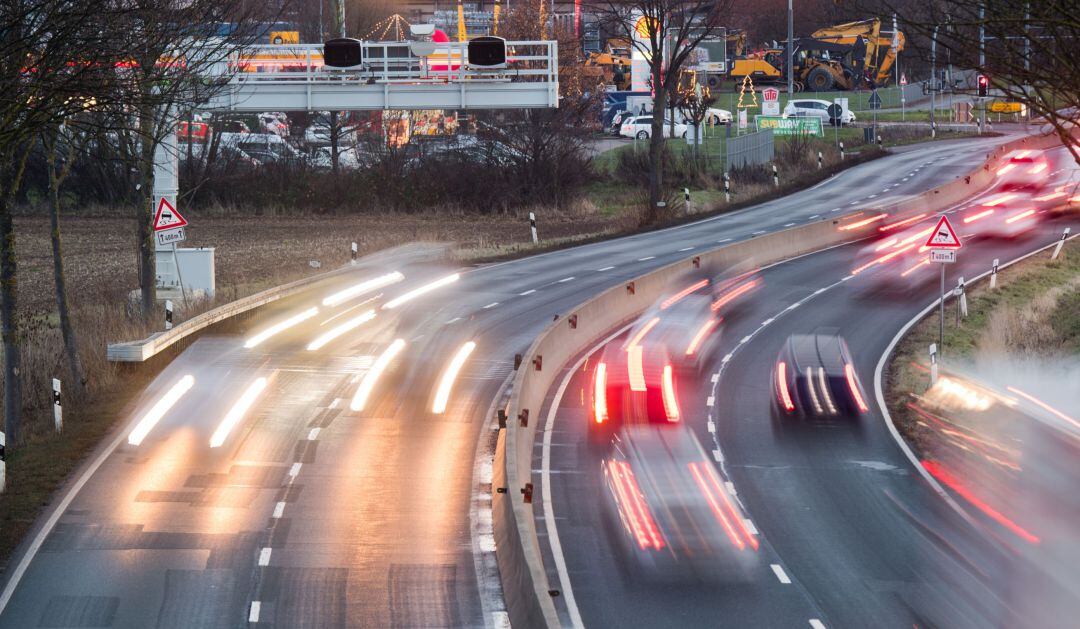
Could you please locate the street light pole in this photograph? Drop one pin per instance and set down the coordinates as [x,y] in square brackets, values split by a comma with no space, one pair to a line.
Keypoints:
[790,37]
[933,80]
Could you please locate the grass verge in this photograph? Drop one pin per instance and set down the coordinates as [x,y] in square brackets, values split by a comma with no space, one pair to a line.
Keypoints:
[1036,294]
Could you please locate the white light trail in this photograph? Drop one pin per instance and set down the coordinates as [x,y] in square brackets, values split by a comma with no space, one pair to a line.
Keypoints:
[446,383]
[372,376]
[158,410]
[237,412]
[281,326]
[416,292]
[335,332]
[362,288]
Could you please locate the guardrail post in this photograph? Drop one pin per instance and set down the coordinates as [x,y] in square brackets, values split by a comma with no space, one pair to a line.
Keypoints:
[993,274]
[58,410]
[1061,243]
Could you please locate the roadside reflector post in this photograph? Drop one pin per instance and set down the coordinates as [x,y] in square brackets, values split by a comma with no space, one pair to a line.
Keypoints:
[353,250]
[630,288]
[1061,243]
[168,314]
[696,262]
[878,139]
[961,302]
[573,321]
[933,364]
[523,418]
[841,151]
[686,198]
[3,463]
[538,363]
[819,160]
[517,361]
[502,418]
[532,227]
[993,274]
[58,410]
[775,177]
[933,129]
[727,188]
[527,491]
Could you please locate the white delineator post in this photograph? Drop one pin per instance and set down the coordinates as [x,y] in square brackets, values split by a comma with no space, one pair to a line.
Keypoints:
[727,189]
[933,364]
[993,274]
[3,463]
[532,227]
[819,160]
[168,314]
[1061,243]
[686,198]
[58,410]
[353,250]
[961,302]
[775,177]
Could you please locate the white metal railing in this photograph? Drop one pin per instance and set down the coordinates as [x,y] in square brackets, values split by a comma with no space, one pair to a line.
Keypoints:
[389,62]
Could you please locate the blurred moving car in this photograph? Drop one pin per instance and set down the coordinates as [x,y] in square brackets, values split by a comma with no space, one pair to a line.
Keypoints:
[632,384]
[1025,168]
[676,519]
[731,294]
[898,261]
[814,377]
[1005,215]
[640,127]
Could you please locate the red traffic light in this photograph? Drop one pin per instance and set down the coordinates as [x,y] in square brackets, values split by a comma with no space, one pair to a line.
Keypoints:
[984,85]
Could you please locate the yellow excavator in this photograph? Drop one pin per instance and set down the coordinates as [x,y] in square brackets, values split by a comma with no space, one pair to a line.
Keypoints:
[612,65]
[873,53]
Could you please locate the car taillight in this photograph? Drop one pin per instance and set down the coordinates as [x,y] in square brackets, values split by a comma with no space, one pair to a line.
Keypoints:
[636,514]
[667,388]
[702,332]
[781,385]
[600,394]
[853,384]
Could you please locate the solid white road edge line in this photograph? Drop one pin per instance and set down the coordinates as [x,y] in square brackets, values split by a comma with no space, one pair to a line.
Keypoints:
[880,394]
[545,480]
[488,607]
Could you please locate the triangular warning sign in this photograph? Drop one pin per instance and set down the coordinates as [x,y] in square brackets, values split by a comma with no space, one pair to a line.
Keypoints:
[167,217]
[943,236]
[903,79]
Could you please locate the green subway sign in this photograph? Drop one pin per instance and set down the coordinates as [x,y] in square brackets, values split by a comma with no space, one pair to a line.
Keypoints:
[796,125]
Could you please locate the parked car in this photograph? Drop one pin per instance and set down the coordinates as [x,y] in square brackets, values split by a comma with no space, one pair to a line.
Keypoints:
[275,122]
[717,116]
[265,147]
[812,107]
[640,127]
[322,158]
[617,120]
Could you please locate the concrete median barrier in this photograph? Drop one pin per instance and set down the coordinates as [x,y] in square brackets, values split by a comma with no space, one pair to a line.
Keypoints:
[528,594]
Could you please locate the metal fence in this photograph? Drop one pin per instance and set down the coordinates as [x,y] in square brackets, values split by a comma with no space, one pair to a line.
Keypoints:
[750,149]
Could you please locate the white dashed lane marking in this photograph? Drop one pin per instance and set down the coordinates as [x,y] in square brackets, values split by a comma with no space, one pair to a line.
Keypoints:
[264,556]
[528,292]
[566,279]
[491,305]
[646,258]
[606,268]
[780,574]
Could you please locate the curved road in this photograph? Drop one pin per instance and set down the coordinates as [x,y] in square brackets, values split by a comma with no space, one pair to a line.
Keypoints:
[310,514]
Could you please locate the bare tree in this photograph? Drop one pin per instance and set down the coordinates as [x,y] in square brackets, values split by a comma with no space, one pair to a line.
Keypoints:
[665,33]
[1028,49]
[56,56]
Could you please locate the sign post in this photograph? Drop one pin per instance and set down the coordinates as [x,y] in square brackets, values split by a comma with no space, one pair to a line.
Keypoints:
[943,244]
[169,229]
[770,101]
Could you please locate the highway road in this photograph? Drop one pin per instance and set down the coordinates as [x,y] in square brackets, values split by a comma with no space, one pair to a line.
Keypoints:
[258,497]
[851,536]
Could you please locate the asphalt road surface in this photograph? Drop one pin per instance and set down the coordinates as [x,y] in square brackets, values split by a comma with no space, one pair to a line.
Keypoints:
[310,514]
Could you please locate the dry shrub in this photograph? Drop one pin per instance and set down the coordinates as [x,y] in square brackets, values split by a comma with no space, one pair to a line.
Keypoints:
[1030,331]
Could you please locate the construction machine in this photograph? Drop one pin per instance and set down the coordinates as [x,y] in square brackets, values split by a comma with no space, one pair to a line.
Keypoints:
[612,65]
[873,50]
